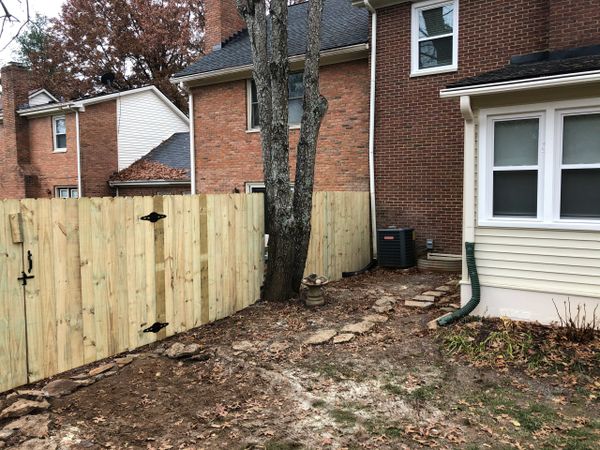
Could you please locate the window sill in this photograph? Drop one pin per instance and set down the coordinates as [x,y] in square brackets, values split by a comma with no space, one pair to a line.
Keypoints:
[579,225]
[59,150]
[434,71]
[257,130]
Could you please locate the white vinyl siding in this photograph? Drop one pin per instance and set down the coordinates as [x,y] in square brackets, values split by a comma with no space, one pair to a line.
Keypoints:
[144,120]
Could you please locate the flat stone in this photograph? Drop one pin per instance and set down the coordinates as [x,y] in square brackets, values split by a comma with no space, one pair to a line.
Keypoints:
[424,298]
[418,303]
[386,300]
[383,308]
[60,387]
[101,369]
[81,376]
[444,288]
[23,407]
[358,328]
[38,444]
[180,351]
[35,426]
[320,337]
[87,381]
[433,293]
[433,325]
[124,361]
[31,393]
[376,318]
[454,305]
[199,357]
[6,433]
[344,337]
[243,346]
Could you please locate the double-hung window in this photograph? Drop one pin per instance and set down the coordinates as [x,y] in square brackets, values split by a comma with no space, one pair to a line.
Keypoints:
[539,166]
[59,133]
[295,99]
[434,37]
[67,192]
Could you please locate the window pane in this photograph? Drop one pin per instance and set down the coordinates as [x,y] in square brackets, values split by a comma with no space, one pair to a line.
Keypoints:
[435,53]
[74,193]
[254,121]
[295,112]
[581,139]
[61,126]
[61,141]
[295,86]
[516,142]
[436,21]
[580,193]
[515,193]
[63,193]
[253,95]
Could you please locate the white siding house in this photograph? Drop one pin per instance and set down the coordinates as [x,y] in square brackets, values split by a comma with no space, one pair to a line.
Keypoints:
[532,194]
[145,118]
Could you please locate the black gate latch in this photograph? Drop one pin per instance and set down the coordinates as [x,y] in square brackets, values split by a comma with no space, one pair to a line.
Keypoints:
[153,217]
[24,277]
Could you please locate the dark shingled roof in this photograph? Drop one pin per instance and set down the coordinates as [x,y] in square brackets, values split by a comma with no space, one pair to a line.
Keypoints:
[538,65]
[342,25]
[174,152]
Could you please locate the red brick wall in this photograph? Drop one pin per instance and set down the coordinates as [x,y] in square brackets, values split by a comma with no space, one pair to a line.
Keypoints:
[152,190]
[54,169]
[574,23]
[419,138]
[98,141]
[227,156]
[222,20]
[14,151]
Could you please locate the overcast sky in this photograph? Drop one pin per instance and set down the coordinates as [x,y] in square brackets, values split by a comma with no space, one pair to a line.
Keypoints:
[49,8]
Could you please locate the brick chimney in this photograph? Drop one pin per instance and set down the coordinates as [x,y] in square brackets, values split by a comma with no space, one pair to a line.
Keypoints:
[573,24]
[221,21]
[14,151]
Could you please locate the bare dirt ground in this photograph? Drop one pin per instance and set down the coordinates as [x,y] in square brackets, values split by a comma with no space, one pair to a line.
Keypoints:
[398,385]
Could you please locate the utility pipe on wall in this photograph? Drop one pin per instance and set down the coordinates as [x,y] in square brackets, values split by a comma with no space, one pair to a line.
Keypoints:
[373,12]
[192,151]
[78,151]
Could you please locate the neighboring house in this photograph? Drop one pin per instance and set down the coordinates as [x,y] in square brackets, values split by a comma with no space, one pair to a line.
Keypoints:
[226,144]
[52,148]
[165,170]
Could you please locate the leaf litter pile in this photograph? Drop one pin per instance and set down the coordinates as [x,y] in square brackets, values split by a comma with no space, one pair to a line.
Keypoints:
[396,384]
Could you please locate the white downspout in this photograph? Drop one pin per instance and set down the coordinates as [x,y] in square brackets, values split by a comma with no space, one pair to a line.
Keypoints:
[373,12]
[468,179]
[192,146]
[78,151]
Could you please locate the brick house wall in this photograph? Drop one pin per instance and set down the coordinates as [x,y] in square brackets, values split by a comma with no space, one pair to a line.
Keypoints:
[98,147]
[54,169]
[419,137]
[573,24]
[228,156]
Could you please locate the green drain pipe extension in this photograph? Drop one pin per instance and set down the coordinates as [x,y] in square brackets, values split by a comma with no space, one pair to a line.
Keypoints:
[475,290]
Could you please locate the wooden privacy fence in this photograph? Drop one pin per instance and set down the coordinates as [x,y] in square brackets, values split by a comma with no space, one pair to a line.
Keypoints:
[80,280]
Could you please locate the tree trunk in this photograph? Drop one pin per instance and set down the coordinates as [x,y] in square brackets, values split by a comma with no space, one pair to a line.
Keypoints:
[289,212]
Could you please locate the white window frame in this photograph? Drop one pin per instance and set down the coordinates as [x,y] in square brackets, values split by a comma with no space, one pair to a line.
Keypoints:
[415,38]
[69,189]
[54,134]
[249,127]
[549,162]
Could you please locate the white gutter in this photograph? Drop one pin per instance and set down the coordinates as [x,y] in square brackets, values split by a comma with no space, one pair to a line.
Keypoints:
[78,150]
[372,125]
[148,183]
[192,144]
[520,85]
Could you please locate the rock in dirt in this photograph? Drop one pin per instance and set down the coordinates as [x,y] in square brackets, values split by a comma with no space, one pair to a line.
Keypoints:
[243,346]
[23,407]
[358,328]
[121,362]
[320,337]
[101,369]
[341,338]
[180,351]
[199,357]
[31,393]
[277,347]
[5,434]
[385,300]
[31,426]
[383,308]
[38,444]
[60,387]
[81,376]
[376,318]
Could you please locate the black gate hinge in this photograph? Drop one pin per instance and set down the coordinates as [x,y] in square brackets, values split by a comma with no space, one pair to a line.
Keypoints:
[24,277]
[153,217]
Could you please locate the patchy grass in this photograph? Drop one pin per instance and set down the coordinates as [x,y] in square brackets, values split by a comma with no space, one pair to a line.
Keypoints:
[344,417]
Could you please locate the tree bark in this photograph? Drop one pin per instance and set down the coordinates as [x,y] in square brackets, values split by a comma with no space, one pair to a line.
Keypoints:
[289,211]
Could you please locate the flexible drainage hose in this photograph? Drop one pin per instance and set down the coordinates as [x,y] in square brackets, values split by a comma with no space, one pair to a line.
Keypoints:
[475,290]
